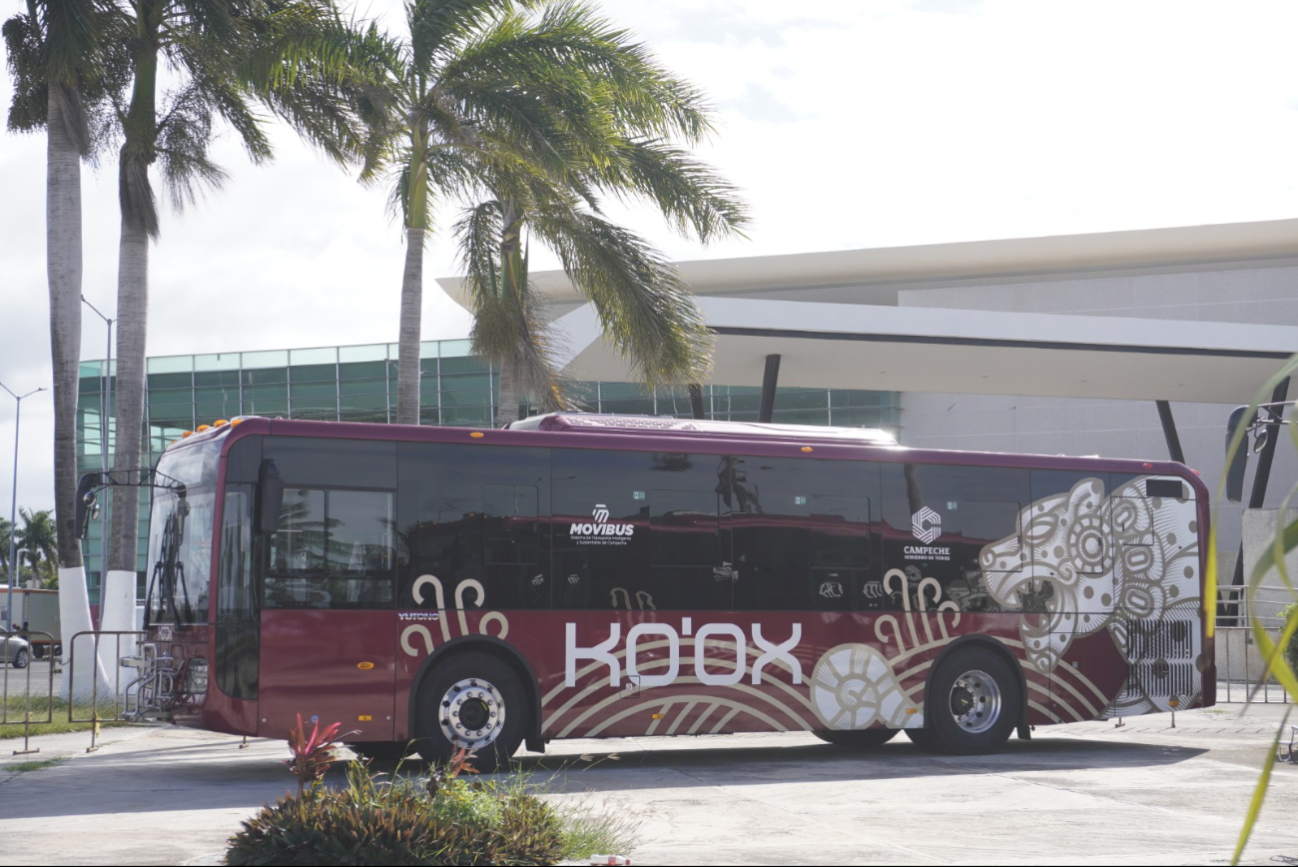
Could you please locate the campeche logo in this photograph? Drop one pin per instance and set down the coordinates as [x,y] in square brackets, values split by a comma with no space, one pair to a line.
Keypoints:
[926,525]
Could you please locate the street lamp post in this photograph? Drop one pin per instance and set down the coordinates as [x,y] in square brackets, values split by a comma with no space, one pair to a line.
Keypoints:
[106,393]
[13,503]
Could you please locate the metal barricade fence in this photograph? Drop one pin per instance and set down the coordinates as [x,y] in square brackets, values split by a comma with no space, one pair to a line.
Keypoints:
[23,705]
[120,704]
[1240,668]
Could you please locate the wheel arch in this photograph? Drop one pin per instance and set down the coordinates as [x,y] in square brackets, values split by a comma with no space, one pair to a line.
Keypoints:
[998,647]
[506,653]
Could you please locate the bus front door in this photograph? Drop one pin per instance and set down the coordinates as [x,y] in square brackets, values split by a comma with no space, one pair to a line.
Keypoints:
[330,666]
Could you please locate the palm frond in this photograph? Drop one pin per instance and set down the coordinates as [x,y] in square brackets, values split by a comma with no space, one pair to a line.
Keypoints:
[646,311]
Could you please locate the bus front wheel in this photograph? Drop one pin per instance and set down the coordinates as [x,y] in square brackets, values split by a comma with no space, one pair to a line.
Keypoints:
[471,701]
[973,703]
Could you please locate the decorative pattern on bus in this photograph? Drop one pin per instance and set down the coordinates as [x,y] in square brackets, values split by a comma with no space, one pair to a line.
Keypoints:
[1126,563]
[418,629]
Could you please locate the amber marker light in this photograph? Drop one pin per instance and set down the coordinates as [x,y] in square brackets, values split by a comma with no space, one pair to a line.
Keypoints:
[364,718]
[236,421]
[364,666]
[807,448]
[477,435]
[187,434]
[220,422]
[203,427]
[658,715]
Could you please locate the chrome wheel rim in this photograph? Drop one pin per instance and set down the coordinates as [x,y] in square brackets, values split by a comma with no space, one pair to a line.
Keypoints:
[975,701]
[472,713]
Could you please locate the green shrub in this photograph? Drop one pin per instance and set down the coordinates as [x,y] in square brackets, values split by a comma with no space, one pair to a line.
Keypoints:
[372,821]
[1291,649]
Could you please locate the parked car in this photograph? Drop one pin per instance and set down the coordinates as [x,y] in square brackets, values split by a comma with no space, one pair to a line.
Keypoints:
[17,651]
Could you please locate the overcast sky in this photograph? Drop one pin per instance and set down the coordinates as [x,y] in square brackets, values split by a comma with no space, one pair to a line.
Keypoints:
[871,123]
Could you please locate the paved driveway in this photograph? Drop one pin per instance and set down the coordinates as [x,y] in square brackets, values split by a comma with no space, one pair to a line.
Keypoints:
[1089,793]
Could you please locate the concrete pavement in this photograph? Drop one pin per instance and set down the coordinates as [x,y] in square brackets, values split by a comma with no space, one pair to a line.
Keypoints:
[1089,793]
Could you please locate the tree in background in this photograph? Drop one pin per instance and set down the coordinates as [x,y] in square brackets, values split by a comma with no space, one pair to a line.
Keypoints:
[228,57]
[61,59]
[39,536]
[608,115]
[531,117]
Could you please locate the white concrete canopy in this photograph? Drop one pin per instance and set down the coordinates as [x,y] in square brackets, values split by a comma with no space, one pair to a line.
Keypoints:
[965,351]
[834,320]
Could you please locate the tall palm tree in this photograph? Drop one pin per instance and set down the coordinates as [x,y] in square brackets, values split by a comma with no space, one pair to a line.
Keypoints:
[229,56]
[53,50]
[59,59]
[538,114]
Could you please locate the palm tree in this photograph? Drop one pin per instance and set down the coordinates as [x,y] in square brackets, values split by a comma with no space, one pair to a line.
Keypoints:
[61,64]
[284,54]
[56,54]
[537,115]
[38,536]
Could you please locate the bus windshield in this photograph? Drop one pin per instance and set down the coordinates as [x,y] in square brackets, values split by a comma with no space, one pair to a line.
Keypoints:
[180,536]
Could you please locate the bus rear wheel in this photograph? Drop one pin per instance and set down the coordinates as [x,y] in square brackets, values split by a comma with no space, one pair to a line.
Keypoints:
[973,703]
[863,739]
[471,701]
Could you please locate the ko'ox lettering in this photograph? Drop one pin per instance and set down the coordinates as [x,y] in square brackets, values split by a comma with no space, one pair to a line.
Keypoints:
[768,652]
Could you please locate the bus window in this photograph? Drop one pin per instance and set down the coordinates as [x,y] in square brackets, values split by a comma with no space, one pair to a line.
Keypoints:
[333,549]
[941,522]
[801,533]
[637,531]
[475,513]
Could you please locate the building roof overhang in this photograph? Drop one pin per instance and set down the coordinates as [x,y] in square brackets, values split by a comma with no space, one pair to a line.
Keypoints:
[964,351]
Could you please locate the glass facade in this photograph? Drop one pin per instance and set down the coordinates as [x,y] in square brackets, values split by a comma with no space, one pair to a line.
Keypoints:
[358,383]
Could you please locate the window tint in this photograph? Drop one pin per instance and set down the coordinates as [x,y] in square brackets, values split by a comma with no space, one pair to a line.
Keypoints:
[333,549]
[472,517]
[952,524]
[237,608]
[801,534]
[637,530]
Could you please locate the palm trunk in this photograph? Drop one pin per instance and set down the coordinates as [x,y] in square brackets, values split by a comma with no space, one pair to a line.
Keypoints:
[63,265]
[132,329]
[507,412]
[412,292]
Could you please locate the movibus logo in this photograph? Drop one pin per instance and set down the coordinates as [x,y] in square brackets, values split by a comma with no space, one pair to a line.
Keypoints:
[599,530]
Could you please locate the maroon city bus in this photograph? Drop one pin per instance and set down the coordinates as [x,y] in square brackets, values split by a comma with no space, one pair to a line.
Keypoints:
[598,576]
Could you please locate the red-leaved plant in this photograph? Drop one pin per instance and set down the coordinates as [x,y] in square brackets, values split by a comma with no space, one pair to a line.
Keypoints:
[313,753]
[459,763]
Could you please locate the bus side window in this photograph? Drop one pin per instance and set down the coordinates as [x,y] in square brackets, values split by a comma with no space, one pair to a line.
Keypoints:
[471,517]
[333,549]
[942,523]
[801,533]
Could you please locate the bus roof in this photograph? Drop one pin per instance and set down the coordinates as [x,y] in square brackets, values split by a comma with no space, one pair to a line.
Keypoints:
[666,425]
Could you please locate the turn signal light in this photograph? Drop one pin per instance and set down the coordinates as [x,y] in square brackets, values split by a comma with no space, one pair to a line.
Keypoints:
[203,427]
[477,435]
[806,448]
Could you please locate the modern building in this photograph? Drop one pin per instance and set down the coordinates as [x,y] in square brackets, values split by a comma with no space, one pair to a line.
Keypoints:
[358,383]
[1119,344]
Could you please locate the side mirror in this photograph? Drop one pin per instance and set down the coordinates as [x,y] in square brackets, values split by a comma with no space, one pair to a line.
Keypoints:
[1235,472]
[270,497]
[87,509]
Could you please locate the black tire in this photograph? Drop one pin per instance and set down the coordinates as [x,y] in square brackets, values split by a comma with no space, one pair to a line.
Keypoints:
[973,703]
[21,658]
[471,700]
[38,651]
[864,739]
